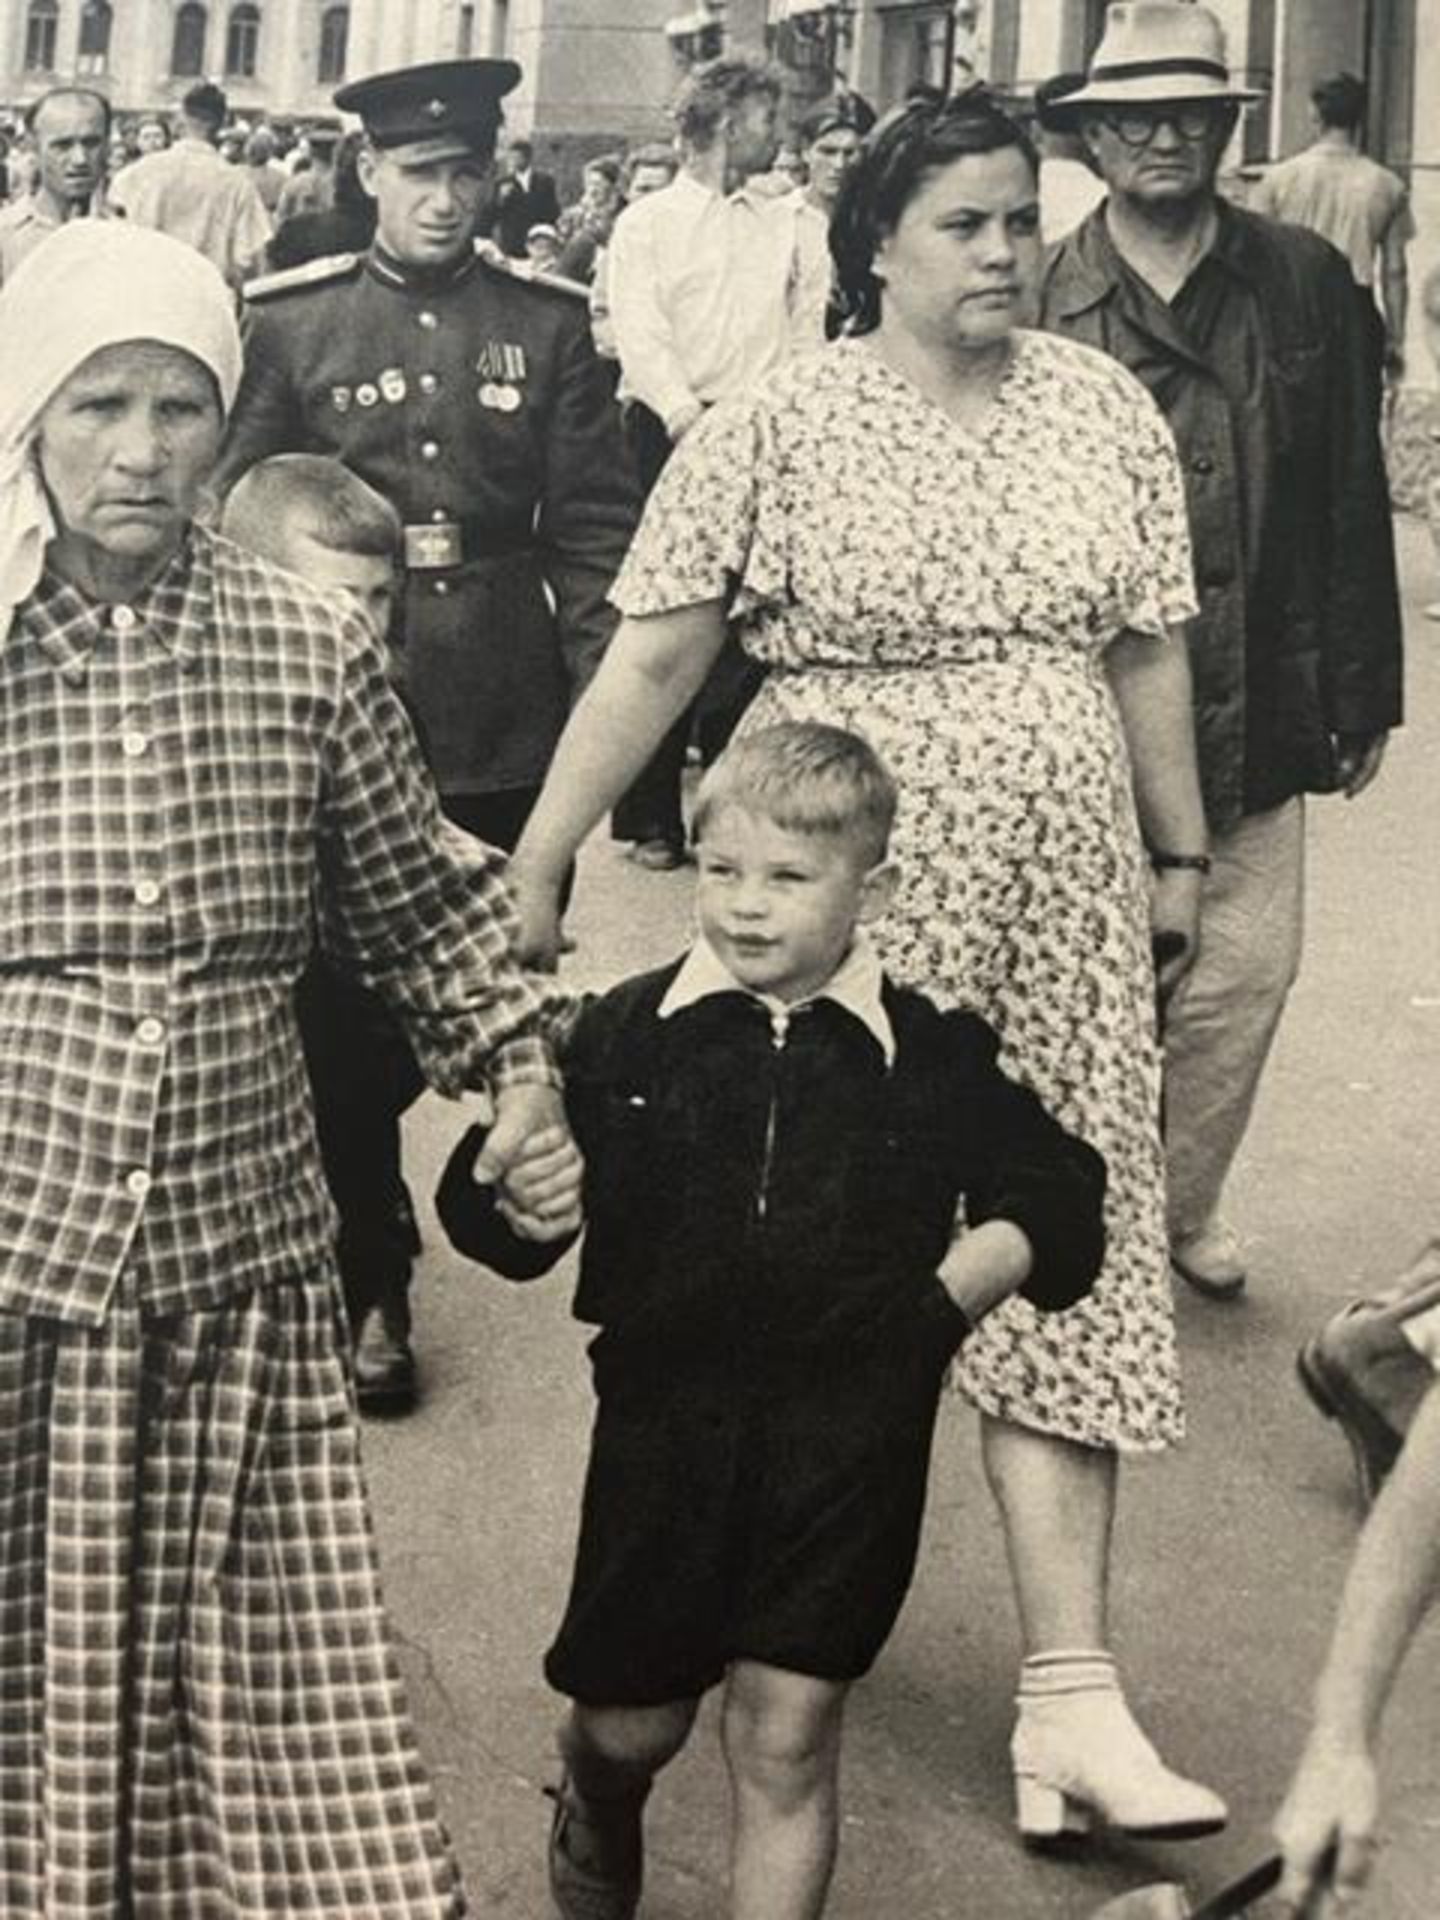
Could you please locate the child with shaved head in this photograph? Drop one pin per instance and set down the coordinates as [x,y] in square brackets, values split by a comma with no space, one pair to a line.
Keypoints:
[315,517]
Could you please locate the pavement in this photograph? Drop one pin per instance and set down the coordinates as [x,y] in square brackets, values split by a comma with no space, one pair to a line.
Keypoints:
[1229,1552]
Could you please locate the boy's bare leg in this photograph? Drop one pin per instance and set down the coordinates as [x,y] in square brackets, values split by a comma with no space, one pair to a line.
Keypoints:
[611,1755]
[781,1734]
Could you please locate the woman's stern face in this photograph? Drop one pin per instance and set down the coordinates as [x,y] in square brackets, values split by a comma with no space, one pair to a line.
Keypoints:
[125,447]
[962,265]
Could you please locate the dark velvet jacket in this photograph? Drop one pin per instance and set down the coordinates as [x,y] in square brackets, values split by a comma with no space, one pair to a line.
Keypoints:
[1298,636]
[750,1197]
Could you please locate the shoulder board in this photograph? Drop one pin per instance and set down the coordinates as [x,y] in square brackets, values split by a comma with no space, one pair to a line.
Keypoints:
[501,263]
[310,273]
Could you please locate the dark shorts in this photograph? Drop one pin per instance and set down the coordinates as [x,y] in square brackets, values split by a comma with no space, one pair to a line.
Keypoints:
[771,1518]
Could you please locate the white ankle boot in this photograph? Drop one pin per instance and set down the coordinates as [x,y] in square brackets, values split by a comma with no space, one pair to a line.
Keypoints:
[1081,1760]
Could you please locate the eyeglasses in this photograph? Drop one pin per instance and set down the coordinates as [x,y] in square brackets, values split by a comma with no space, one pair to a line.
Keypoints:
[1138,126]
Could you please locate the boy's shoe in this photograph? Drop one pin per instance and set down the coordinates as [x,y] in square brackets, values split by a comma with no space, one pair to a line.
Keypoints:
[596,1855]
[386,1380]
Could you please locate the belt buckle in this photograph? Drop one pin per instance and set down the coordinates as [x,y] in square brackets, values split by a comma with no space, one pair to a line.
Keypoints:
[432,544]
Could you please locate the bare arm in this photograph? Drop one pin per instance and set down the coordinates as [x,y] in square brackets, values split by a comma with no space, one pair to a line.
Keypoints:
[1395,288]
[1151,682]
[1393,1578]
[653,669]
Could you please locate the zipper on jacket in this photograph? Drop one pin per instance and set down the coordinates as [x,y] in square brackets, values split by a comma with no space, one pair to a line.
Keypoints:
[779,1034]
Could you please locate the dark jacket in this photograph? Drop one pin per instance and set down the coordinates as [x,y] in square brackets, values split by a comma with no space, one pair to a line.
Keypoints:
[472,397]
[512,210]
[1298,636]
[749,1199]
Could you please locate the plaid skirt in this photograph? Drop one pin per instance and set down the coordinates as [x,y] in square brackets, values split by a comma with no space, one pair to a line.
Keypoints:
[201,1715]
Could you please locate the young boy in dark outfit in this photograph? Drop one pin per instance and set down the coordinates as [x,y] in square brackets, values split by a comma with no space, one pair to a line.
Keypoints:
[777,1143]
[313,516]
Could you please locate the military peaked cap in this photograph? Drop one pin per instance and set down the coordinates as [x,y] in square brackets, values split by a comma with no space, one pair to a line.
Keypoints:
[460,97]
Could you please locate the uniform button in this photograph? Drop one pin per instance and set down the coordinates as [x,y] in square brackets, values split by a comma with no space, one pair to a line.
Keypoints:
[122,618]
[1202,463]
[428,383]
[137,1182]
[134,744]
[442,587]
[439,513]
[150,1031]
[427,319]
[429,449]
[147,892]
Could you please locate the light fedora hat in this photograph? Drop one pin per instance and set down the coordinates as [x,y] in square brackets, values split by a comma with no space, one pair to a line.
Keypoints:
[1158,50]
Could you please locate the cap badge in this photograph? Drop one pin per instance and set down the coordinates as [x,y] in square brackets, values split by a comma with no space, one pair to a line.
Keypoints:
[435,109]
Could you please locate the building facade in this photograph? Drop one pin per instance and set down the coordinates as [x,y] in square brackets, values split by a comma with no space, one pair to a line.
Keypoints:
[599,73]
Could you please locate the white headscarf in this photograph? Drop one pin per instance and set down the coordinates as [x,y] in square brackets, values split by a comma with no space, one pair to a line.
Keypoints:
[91,284]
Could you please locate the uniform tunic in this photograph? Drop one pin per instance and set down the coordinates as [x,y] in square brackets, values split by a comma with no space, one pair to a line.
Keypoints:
[472,397]
[202,1717]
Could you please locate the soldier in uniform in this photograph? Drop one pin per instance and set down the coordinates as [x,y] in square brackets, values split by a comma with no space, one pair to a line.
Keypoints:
[472,399]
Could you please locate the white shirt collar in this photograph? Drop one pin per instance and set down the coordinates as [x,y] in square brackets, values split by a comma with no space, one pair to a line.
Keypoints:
[855,985]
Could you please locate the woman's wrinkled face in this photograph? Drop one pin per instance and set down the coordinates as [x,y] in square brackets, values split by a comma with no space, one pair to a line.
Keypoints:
[125,447]
[962,265]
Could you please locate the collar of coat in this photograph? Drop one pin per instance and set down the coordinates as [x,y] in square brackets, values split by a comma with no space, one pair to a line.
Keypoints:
[854,986]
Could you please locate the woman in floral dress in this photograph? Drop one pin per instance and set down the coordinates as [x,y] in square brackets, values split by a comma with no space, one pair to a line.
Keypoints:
[967,541]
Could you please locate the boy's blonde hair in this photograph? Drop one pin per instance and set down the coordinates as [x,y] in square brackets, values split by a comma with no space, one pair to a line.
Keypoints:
[313,495]
[805,777]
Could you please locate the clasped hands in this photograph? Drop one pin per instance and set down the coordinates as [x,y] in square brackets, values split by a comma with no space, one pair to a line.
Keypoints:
[531,1159]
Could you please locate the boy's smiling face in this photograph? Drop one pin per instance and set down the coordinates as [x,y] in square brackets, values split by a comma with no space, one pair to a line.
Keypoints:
[780,908]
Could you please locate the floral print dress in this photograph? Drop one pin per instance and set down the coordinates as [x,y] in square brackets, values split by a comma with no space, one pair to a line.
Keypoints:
[948,591]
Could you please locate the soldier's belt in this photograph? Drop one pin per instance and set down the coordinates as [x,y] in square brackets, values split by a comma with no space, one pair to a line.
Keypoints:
[432,545]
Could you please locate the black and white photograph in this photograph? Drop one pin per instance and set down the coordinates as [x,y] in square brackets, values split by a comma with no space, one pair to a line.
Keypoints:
[719,959]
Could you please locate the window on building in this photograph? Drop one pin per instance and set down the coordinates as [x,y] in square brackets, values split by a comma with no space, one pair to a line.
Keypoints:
[334,33]
[42,24]
[187,48]
[242,42]
[93,51]
[465,33]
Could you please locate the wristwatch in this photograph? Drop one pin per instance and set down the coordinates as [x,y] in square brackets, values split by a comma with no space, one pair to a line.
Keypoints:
[1186,862]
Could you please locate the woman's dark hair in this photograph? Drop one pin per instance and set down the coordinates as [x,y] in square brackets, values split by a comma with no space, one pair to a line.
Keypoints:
[904,149]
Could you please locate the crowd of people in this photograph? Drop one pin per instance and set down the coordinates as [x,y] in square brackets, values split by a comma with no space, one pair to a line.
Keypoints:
[1005,528]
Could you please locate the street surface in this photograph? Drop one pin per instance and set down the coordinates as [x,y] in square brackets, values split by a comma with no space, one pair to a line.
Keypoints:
[1229,1553]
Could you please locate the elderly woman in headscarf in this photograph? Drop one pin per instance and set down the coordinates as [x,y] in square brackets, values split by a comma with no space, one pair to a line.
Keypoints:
[202,1713]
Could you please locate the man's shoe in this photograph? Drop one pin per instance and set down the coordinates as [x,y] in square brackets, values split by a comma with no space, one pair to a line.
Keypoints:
[385,1376]
[596,1854]
[1361,1372]
[1210,1262]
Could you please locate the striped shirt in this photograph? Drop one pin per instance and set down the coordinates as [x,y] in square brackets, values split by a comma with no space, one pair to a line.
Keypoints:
[183,781]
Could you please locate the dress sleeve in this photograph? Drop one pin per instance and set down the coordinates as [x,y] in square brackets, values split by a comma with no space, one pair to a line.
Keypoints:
[714,528]
[1160,593]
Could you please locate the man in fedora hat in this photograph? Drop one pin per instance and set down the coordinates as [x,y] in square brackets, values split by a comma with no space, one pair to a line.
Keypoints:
[472,399]
[1248,335]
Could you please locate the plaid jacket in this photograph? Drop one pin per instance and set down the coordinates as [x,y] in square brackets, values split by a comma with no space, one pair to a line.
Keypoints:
[181,781]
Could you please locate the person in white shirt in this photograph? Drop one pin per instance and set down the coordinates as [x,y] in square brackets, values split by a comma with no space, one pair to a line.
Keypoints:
[1357,205]
[648,169]
[701,276]
[831,141]
[191,193]
[71,129]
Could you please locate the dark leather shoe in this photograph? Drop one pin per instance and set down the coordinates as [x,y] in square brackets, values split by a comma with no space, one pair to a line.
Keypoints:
[1337,1392]
[385,1376]
[596,1855]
